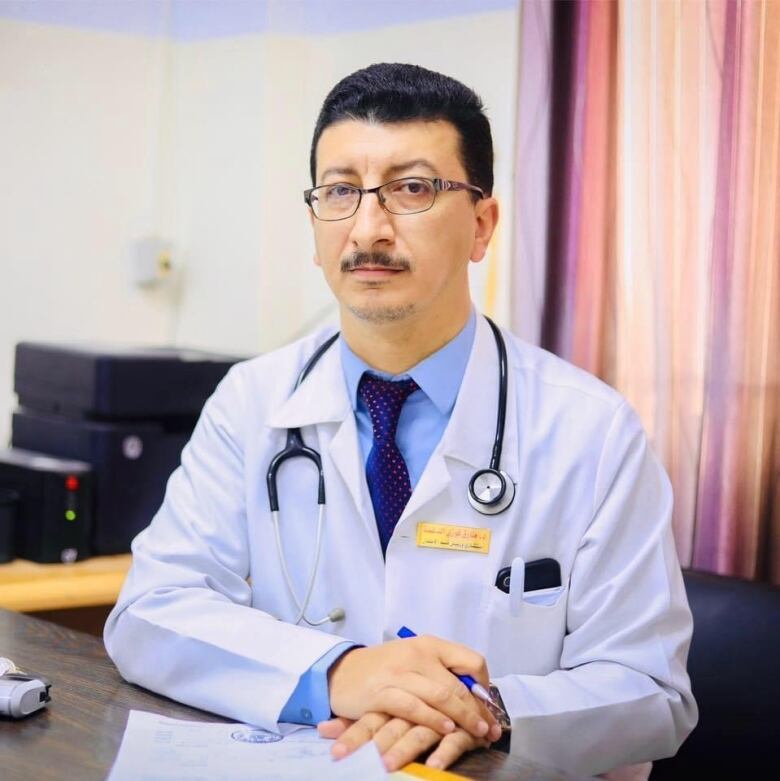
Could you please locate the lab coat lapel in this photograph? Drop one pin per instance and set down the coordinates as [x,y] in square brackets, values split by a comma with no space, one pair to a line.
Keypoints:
[471,432]
[322,399]
[345,451]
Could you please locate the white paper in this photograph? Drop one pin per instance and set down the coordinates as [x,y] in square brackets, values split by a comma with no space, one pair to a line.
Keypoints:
[156,748]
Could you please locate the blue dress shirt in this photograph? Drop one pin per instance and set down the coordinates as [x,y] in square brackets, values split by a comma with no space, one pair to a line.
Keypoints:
[423,419]
[427,411]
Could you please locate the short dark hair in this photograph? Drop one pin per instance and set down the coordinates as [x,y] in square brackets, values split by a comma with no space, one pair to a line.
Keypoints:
[395,92]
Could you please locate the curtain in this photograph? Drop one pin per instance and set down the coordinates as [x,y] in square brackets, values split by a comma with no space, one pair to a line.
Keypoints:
[647,241]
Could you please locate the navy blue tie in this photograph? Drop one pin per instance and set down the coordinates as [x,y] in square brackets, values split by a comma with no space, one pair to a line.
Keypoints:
[386,472]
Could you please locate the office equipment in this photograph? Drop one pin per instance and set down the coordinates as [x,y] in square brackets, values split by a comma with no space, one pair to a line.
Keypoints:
[490,490]
[132,461]
[22,694]
[126,412]
[9,501]
[53,518]
[113,382]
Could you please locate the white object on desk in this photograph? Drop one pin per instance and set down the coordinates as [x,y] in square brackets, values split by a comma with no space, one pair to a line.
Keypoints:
[156,748]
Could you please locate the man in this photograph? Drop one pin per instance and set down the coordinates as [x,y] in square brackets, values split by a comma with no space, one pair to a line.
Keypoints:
[293,616]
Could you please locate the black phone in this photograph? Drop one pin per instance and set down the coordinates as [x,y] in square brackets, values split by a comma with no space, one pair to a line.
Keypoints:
[539,574]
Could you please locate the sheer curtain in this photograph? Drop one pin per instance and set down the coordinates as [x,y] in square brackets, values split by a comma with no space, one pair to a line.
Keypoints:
[647,241]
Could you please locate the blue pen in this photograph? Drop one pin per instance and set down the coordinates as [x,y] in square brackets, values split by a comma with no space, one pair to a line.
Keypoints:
[477,689]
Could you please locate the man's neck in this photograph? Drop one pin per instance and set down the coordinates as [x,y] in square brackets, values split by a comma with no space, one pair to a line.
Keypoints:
[396,347]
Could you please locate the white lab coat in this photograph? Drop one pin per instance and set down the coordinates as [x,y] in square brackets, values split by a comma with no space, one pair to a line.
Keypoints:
[594,677]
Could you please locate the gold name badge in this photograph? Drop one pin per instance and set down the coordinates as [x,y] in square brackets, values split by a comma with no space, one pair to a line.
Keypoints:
[465,538]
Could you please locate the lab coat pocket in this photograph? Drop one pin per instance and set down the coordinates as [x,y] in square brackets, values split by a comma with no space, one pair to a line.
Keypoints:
[546,596]
[524,636]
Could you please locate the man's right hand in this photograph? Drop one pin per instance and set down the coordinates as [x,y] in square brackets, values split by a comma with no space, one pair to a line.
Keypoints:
[412,679]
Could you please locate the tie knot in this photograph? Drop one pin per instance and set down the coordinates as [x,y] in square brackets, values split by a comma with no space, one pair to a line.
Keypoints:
[384,399]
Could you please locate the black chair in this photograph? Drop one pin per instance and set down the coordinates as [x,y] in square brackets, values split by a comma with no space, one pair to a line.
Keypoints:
[734,664]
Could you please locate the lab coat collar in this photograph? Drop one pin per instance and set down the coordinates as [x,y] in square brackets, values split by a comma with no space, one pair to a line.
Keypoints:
[321,397]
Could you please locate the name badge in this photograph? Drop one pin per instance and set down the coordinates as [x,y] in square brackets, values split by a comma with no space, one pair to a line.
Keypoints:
[464,538]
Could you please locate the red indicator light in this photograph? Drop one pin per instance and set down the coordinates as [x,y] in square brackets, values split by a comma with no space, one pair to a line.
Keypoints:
[72,483]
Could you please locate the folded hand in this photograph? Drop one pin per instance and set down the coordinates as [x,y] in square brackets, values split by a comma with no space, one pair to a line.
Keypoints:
[399,741]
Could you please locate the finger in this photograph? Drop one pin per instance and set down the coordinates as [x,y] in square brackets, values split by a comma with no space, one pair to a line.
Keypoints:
[388,735]
[402,703]
[445,700]
[332,728]
[415,742]
[359,733]
[456,687]
[458,658]
[452,747]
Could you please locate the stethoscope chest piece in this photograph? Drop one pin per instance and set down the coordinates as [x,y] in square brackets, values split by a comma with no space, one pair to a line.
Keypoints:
[491,491]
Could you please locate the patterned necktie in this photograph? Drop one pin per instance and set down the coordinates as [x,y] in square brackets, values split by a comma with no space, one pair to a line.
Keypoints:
[386,472]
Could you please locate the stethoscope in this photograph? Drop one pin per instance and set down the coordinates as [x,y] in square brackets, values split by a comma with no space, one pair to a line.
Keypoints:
[490,490]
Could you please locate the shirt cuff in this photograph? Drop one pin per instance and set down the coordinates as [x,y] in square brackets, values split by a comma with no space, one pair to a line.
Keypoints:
[310,702]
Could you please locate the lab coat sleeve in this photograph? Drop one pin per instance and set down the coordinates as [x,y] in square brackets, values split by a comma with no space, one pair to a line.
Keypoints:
[183,625]
[622,693]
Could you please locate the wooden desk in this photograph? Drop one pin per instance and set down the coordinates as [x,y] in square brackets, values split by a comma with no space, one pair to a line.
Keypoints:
[27,586]
[78,735]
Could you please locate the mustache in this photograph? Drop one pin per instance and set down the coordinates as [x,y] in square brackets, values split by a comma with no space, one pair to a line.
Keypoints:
[382,259]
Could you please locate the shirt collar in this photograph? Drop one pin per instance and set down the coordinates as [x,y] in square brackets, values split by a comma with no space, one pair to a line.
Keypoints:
[439,376]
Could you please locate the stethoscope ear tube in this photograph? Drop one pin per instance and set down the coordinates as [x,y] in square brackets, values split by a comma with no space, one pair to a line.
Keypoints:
[295,445]
[295,448]
[503,381]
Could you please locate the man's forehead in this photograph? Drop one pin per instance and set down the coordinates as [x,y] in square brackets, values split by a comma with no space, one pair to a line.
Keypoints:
[358,147]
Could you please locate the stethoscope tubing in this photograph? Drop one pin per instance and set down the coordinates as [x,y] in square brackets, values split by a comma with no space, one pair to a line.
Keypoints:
[503,373]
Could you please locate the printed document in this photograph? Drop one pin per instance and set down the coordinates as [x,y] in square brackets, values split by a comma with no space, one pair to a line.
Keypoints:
[156,748]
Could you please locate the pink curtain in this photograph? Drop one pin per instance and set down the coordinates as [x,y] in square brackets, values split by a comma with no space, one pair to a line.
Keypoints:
[652,132]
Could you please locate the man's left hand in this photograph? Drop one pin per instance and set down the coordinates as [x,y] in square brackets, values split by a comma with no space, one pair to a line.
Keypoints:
[399,741]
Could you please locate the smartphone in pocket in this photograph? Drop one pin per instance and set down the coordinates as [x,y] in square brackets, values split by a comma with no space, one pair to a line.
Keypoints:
[539,574]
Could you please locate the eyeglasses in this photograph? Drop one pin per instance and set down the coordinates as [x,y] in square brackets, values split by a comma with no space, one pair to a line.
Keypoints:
[410,195]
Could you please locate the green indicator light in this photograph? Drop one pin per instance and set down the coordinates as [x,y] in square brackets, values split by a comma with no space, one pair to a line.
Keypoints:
[70,515]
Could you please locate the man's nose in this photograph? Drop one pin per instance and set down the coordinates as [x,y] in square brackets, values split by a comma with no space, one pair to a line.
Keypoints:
[372,224]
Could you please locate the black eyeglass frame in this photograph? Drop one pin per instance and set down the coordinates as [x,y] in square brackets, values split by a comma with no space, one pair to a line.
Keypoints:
[439,185]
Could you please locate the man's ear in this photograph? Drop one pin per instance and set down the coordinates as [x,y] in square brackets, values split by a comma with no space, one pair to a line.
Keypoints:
[311,222]
[486,213]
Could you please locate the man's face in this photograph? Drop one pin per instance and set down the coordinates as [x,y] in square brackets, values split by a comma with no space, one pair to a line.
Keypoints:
[385,267]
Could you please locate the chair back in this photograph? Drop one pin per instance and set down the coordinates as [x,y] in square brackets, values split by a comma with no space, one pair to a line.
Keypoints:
[734,664]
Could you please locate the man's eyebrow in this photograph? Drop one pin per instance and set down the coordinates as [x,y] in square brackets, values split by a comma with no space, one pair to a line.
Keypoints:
[392,171]
[338,172]
[419,163]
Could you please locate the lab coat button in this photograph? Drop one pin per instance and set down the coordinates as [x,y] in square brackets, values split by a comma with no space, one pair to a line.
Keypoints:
[305,714]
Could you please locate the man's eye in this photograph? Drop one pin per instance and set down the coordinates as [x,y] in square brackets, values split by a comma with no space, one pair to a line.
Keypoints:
[412,187]
[339,191]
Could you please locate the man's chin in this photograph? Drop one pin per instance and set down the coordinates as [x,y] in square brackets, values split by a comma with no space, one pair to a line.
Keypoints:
[380,314]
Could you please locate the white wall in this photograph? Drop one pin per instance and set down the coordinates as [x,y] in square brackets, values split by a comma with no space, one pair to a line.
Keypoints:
[78,139]
[108,136]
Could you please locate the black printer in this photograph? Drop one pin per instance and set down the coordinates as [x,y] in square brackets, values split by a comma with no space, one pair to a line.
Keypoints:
[127,412]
